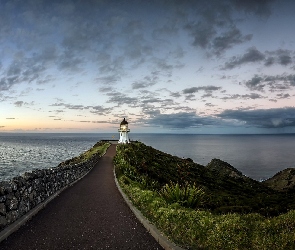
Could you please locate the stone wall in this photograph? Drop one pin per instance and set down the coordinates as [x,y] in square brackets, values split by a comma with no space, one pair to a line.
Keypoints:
[22,193]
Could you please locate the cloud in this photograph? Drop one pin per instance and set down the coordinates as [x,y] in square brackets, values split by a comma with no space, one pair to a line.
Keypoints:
[273,83]
[147,81]
[256,83]
[182,120]
[263,118]
[282,57]
[120,99]
[190,92]
[215,29]
[228,39]
[259,8]
[283,96]
[252,96]
[252,55]
[108,80]
[98,110]
[19,103]
[208,88]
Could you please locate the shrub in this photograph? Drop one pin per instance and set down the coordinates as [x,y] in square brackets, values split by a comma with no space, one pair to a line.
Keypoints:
[187,195]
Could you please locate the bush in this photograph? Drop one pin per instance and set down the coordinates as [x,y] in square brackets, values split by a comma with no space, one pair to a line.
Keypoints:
[187,195]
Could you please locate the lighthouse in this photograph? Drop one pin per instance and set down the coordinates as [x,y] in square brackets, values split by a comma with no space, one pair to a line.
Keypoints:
[124,132]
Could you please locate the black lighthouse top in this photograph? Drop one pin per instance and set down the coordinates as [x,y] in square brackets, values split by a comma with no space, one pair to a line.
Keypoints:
[124,122]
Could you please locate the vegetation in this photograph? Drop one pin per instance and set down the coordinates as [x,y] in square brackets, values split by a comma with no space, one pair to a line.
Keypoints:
[199,207]
[99,148]
[187,195]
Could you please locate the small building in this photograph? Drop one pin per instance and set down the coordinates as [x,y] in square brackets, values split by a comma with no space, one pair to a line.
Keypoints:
[123,130]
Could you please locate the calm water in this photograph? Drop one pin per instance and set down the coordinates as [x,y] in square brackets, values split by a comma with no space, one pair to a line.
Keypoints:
[257,156]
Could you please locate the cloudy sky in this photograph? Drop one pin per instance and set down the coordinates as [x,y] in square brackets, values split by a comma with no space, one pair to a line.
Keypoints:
[171,66]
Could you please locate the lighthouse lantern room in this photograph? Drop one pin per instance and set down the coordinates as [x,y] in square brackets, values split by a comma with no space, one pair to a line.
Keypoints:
[124,132]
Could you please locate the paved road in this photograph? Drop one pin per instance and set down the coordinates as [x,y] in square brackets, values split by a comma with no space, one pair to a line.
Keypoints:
[89,215]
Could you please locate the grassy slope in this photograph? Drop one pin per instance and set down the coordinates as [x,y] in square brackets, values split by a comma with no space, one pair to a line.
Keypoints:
[99,148]
[227,190]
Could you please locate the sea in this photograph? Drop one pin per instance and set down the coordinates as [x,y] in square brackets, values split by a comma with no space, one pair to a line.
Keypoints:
[256,156]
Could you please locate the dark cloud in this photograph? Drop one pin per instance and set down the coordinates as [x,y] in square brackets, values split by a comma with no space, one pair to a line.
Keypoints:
[182,120]
[273,83]
[252,96]
[256,83]
[215,29]
[102,122]
[209,104]
[108,80]
[283,96]
[251,55]
[19,103]
[121,99]
[7,82]
[175,94]
[106,89]
[263,118]
[260,8]
[69,61]
[208,88]
[99,110]
[69,106]
[190,92]
[229,39]
[147,81]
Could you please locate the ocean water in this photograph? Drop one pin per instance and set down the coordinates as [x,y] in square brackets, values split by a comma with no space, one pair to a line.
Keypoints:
[23,152]
[257,156]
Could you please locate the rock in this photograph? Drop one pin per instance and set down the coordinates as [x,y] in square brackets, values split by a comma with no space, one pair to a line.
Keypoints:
[12,216]
[11,202]
[5,187]
[2,198]
[282,181]
[3,222]
[2,209]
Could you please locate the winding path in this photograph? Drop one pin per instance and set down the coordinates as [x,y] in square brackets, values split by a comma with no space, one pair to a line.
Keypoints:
[91,214]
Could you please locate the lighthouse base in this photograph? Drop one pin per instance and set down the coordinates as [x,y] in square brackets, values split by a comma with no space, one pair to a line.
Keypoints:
[123,138]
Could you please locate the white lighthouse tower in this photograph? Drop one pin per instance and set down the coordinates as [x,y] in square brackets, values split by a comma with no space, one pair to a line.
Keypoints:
[124,132]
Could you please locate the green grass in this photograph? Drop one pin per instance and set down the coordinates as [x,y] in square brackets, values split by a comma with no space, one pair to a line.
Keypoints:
[158,184]
[201,229]
[188,195]
[99,148]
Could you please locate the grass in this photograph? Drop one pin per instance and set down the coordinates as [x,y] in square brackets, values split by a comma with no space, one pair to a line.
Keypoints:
[201,229]
[99,148]
[188,195]
[196,226]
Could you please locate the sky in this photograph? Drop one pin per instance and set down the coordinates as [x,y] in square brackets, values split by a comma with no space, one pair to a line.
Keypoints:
[167,66]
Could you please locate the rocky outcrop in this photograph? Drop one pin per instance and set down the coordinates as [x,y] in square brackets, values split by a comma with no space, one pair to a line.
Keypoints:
[222,168]
[22,193]
[283,180]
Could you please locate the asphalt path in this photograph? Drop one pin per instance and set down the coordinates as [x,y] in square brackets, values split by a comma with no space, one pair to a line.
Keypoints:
[91,214]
